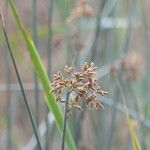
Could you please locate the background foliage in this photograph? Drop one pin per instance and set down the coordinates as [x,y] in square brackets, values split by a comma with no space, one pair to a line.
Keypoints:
[115,29]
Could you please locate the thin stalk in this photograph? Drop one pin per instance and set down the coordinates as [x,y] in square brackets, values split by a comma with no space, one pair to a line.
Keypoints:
[139,110]
[96,35]
[147,77]
[8,80]
[20,83]
[95,129]
[79,125]
[49,53]
[35,39]
[147,55]
[135,142]
[112,122]
[111,46]
[42,74]
[65,122]
[129,27]
[49,46]
[53,132]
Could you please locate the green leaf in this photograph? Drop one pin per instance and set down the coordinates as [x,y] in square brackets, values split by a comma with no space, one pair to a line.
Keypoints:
[41,72]
[134,138]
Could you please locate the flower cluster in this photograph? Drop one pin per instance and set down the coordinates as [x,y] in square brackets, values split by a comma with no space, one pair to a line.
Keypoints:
[81,85]
[82,9]
[132,66]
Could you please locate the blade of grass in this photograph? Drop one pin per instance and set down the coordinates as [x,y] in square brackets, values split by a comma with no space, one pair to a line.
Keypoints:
[20,83]
[8,80]
[65,122]
[50,97]
[135,141]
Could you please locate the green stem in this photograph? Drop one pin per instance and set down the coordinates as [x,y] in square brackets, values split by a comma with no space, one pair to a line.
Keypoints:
[21,86]
[65,122]
[41,72]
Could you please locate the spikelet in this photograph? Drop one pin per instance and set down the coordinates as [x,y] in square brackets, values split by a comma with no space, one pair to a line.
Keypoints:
[82,84]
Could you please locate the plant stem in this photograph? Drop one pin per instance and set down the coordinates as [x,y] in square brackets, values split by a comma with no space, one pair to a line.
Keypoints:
[8,80]
[49,57]
[20,83]
[96,35]
[79,125]
[42,74]
[65,122]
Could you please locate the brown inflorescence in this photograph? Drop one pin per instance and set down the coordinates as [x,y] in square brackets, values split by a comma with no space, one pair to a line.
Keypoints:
[81,9]
[82,85]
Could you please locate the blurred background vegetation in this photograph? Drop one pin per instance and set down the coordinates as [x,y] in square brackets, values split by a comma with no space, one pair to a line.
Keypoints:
[111,33]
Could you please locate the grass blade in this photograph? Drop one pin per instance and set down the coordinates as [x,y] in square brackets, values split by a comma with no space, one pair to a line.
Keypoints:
[21,86]
[50,97]
[8,80]
[134,138]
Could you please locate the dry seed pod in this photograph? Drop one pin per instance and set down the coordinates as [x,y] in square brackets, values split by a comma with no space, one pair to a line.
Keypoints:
[82,85]
[81,9]
[69,70]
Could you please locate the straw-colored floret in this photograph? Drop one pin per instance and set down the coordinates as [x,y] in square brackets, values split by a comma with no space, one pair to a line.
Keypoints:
[82,85]
[81,9]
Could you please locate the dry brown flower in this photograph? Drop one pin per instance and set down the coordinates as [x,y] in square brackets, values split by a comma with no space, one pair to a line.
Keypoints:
[81,9]
[133,65]
[82,85]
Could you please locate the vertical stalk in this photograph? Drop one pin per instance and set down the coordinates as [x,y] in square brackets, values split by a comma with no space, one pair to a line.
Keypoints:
[42,74]
[8,80]
[79,122]
[65,122]
[112,122]
[129,27]
[49,53]
[147,78]
[97,31]
[20,83]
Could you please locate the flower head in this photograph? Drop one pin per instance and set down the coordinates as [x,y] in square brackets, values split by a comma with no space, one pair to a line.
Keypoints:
[81,9]
[82,85]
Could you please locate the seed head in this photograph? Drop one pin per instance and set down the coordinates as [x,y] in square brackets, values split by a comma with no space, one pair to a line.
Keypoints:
[82,85]
[81,9]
